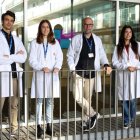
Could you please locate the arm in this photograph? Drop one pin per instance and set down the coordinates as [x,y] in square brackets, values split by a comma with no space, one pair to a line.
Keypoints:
[71,54]
[21,54]
[5,60]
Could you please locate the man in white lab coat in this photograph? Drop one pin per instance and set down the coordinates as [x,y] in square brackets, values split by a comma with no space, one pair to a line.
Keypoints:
[12,52]
[85,54]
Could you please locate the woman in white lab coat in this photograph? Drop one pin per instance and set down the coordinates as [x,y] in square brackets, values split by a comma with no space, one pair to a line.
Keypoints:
[126,61]
[46,59]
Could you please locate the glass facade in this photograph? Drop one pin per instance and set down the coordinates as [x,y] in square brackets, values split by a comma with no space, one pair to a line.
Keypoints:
[69,13]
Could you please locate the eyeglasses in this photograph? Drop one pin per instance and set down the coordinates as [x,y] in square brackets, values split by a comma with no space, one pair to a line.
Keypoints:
[88,24]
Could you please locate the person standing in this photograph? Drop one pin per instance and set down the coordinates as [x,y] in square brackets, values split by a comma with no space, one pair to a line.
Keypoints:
[12,53]
[126,60]
[46,59]
[86,53]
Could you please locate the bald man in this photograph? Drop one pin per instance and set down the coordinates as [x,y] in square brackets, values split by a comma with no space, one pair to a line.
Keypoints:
[85,56]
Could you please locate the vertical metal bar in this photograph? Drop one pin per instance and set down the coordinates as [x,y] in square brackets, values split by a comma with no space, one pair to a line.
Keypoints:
[129,102]
[10,78]
[26,110]
[36,104]
[25,42]
[82,103]
[110,108]
[103,104]
[18,95]
[68,108]
[89,101]
[97,99]
[75,118]
[60,101]
[71,37]
[123,107]
[116,125]
[135,120]
[44,99]
[52,104]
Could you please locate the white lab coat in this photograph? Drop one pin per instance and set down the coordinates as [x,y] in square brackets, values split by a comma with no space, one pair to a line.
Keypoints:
[73,55]
[127,83]
[5,65]
[42,83]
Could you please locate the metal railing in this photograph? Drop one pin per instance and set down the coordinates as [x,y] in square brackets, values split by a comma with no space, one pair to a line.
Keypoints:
[67,115]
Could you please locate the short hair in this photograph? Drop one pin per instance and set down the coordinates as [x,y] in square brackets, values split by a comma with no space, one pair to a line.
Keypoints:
[8,13]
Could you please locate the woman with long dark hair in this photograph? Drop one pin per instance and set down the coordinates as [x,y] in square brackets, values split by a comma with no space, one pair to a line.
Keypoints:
[126,61]
[46,59]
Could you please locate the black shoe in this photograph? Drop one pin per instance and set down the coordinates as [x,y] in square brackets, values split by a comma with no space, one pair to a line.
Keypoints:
[40,131]
[85,126]
[49,130]
[126,126]
[93,120]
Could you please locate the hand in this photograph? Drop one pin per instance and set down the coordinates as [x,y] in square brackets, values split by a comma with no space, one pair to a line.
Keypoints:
[6,56]
[46,69]
[108,70]
[56,70]
[132,69]
[20,52]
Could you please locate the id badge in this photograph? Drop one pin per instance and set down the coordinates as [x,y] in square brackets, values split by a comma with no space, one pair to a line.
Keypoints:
[90,55]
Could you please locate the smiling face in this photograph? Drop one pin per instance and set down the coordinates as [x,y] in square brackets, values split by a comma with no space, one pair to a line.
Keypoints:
[7,23]
[45,29]
[127,34]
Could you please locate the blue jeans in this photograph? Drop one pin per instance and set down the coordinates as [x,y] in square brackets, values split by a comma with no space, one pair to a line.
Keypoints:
[129,110]
[49,109]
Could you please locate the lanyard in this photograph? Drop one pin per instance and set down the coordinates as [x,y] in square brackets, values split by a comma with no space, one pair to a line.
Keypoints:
[11,40]
[89,44]
[45,49]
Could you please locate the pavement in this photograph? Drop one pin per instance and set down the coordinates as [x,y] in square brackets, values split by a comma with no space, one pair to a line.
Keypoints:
[136,138]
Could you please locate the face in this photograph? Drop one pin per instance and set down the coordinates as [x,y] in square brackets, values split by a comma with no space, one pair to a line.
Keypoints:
[8,22]
[127,34]
[88,25]
[45,29]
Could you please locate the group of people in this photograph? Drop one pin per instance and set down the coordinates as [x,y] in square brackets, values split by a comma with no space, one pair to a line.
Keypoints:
[85,57]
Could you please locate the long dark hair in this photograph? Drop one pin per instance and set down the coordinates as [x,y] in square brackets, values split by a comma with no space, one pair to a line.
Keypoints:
[50,37]
[121,43]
